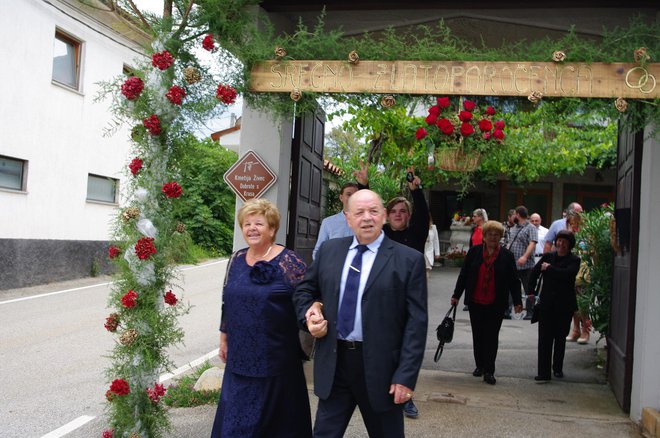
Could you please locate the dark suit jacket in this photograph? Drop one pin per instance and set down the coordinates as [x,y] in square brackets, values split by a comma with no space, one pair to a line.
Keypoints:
[506,277]
[558,291]
[394,317]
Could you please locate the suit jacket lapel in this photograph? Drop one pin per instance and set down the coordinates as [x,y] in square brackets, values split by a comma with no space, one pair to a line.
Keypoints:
[335,268]
[383,256]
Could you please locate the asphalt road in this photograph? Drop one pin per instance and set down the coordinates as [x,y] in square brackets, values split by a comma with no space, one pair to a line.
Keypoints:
[53,348]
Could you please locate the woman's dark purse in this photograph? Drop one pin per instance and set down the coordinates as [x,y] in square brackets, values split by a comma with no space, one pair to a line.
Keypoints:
[445,332]
[537,306]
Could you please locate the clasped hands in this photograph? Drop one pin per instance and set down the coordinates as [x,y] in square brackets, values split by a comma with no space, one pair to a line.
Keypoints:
[316,323]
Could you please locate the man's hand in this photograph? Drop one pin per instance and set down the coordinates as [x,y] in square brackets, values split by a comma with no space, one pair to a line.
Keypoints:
[544,266]
[401,393]
[316,323]
[362,175]
[416,182]
[522,260]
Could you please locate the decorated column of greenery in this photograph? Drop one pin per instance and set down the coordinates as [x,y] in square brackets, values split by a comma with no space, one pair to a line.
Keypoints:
[160,101]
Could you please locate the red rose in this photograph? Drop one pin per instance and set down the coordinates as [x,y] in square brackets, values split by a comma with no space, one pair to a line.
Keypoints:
[176,94]
[465,116]
[129,299]
[443,102]
[172,189]
[486,135]
[498,134]
[152,123]
[145,247]
[208,43]
[468,105]
[162,60]
[132,88]
[109,433]
[431,118]
[135,166]
[421,133]
[226,94]
[499,125]
[120,387]
[466,129]
[156,393]
[435,109]
[170,298]
[485,125]
[113,251]
[445,126]
[112,322]
[490,111]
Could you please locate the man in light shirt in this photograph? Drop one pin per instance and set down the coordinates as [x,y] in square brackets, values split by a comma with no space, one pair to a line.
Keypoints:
[535,219]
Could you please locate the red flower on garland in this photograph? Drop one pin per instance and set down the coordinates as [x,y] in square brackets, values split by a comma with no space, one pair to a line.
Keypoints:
[176,94]
[144,248]
[431,118]
[152,123]
[120,387]
[468,105]
[444,102]
[172,189]
[499,125]
[135,166]
[208,43]
[162,60]
[490,111]
[113,251]
[445,126]
[132,87]
[466,129]
[129,299]
[421,133]
[485,125]
[170,298]
[112,322]
[465,116]
[156,393]
[498,134]
[108,433]
[226,94]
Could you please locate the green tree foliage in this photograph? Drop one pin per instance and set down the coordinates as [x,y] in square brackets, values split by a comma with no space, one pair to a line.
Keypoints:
[207,206]
[595,250]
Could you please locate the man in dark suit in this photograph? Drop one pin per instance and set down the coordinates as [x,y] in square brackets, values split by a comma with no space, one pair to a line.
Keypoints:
[365,300]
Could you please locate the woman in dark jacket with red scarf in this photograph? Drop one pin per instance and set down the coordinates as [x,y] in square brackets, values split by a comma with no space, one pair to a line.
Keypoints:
[488,277]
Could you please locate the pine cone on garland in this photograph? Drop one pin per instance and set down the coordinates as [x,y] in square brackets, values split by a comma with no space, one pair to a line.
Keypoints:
[191,75]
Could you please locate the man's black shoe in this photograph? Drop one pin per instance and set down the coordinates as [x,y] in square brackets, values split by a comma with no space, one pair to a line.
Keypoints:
[490,379]
[465,308]
[478,372]
[542,379]
[410,410]
[558,374]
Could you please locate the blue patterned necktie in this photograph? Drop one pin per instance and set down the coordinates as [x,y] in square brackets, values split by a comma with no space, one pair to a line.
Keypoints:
[346,318]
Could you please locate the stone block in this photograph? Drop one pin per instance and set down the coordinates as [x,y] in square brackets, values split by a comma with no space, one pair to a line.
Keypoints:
[210,380]
[651,422]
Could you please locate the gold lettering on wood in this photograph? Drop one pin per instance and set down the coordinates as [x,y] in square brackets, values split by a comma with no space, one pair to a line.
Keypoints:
[603,80]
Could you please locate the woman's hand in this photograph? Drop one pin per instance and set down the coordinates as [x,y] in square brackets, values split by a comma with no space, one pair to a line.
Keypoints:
[454,301]
[223,348]
[544,266]
[316,323]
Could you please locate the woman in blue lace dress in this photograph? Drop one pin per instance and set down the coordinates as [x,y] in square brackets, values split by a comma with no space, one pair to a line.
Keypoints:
[264,393]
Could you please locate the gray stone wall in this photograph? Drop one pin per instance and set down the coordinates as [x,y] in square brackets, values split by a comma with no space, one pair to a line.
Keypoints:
[29,262]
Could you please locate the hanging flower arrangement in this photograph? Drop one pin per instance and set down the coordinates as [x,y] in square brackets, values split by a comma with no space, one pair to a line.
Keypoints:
[459,135]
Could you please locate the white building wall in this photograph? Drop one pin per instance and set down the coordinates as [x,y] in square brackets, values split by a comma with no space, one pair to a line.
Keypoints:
[56,129]
[646,356]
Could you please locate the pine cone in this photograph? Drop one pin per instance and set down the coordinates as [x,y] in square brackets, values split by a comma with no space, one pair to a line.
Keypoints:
[180,227]
[621,104]
[640,55]
[191,75]
[353,57]
[535,96]
[296,95]
[128,337]
[280,52]
[130,213]
[558,56]
[388,101]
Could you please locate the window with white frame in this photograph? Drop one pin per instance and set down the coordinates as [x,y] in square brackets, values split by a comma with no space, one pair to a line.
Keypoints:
[66,60]
[102,188]
[12,173]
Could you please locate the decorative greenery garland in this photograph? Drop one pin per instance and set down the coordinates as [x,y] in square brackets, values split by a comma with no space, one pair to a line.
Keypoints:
[160,101]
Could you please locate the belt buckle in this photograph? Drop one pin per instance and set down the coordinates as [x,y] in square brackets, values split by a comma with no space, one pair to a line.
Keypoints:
[351,345]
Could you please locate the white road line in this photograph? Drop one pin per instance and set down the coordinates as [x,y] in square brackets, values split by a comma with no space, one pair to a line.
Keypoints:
[16,300]
[69,427]
[188,366]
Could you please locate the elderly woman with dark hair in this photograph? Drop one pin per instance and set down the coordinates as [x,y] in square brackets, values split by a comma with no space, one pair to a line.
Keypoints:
[488,277]
[263,382]
[557,303]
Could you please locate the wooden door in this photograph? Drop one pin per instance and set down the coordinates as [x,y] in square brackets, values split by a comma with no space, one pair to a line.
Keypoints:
[306,180]
[624,289]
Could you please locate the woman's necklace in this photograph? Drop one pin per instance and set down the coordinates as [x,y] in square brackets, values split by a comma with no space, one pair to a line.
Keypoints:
[263,256]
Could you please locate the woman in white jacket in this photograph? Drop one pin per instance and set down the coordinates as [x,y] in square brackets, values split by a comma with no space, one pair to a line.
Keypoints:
[431,247]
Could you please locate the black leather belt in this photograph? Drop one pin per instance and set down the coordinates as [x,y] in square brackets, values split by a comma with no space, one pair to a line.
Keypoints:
[349,345]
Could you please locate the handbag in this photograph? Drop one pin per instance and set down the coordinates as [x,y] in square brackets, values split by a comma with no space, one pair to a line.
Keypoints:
[537,306]
[445,332]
